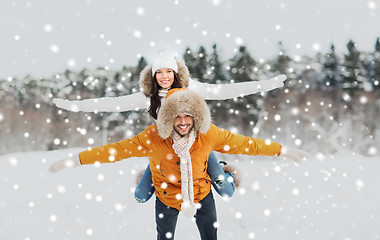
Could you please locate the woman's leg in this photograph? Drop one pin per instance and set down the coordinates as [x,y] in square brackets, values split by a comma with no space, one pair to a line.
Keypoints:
[223,182]
[145,188]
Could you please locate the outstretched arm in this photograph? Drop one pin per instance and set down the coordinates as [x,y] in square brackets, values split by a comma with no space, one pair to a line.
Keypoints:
[137,146]
[232,90]
[227,142]
[125,103]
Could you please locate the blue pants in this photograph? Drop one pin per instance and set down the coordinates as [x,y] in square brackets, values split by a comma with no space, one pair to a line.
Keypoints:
[219,180]
[166,219]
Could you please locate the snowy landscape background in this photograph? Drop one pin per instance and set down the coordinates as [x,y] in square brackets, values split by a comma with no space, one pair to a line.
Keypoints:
[335,197]
[329,106]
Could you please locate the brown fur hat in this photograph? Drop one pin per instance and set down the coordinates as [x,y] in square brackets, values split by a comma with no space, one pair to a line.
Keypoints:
[179,101]
[146,77]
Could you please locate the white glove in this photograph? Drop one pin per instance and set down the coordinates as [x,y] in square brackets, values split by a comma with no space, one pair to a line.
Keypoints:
[273,83]
[67,104]
[295,154]
[65,163]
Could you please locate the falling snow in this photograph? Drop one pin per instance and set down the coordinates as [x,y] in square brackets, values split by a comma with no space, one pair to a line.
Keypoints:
[326,197]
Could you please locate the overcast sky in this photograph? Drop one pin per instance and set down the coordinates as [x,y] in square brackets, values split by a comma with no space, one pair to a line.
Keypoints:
[44,37]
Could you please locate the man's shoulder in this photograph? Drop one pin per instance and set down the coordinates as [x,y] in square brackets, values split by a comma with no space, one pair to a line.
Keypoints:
[149,134]
[151,130]
[213,129]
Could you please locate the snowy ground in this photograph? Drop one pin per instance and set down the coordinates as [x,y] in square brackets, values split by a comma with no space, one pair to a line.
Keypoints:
[323,198]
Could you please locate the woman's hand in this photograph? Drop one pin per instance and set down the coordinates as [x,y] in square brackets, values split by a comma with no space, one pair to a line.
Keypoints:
[66,104]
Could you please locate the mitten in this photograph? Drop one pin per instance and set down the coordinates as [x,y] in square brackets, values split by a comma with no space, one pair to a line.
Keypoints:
[67,104]
[273,83]
[65,163]
[295,154]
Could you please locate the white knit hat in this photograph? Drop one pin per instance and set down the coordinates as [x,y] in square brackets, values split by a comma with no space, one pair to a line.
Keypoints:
[165,59]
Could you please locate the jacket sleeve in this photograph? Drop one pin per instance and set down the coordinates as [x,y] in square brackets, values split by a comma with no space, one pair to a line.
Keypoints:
[137,146]
[125,103]
[231,143]
[232,90]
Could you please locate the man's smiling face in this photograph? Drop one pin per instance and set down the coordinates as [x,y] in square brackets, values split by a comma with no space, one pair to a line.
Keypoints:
[183,123]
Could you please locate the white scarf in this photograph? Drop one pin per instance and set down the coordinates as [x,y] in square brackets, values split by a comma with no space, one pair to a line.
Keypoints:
[181,146]
[162,92]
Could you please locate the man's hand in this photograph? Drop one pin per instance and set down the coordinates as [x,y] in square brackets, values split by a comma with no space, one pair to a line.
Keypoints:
[65,163]
[296,155]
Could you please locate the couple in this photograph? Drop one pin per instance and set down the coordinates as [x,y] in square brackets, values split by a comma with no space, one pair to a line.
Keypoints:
[178,147]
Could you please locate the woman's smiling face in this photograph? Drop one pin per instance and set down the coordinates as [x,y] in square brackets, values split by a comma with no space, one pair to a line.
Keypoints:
[165,77]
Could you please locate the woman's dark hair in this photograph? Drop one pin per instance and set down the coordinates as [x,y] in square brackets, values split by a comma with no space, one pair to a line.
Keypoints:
[155,99]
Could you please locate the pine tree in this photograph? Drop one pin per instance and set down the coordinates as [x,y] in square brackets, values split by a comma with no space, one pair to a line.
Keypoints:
[219,108]
[354,79]
[242,66]
[375,76]
[330,72]
[190,60]
[200,71]
[353,69]
[282,62]
[218,72]
[136,73]
[244,110]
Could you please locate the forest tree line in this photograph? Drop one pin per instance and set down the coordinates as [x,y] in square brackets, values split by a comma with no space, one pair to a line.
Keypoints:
[330,102]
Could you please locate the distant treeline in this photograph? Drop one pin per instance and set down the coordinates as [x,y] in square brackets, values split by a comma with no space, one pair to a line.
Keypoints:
[330,101]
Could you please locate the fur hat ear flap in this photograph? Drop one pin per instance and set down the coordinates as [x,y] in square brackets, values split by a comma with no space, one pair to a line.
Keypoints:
[179,102]
[183,74]
[145,81]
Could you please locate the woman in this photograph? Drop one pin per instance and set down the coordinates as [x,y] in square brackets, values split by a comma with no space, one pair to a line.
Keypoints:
[155,81]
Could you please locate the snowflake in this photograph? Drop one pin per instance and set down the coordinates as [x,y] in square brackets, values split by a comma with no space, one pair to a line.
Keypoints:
[118,207]
[359,184]
[137,34]
[53,218]
[164,185]
[267,212]
[140,11]
[371,5]
[295,192]
[61,189]
[99,198]
[100,177]
[13,161]
[54,48]
[238,215]
[48,28]
[89,232]
[71,63]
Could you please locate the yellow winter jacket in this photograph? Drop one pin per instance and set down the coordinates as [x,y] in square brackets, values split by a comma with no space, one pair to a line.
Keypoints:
[164,162]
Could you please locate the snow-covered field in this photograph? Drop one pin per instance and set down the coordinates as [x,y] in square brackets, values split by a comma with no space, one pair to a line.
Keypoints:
[322,198]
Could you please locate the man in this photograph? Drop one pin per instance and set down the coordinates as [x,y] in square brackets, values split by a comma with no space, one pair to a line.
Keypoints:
[178,147]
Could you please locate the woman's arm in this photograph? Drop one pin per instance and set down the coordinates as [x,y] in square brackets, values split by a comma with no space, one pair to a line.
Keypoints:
[125,103]
[232,90]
